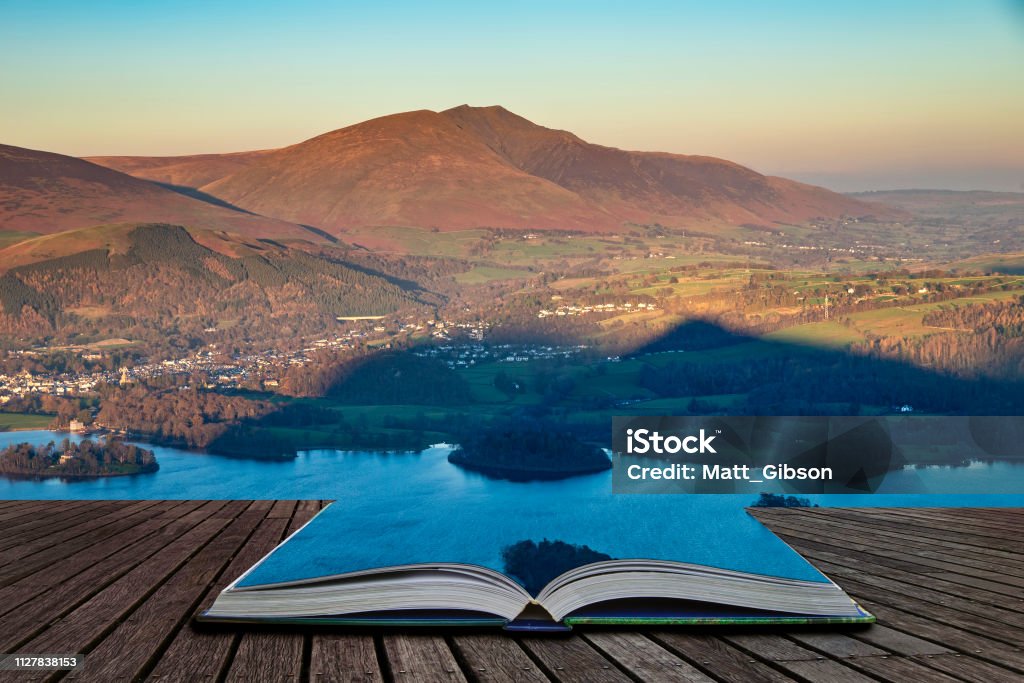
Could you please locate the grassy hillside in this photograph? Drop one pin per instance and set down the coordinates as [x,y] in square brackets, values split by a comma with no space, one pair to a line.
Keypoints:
[144,281]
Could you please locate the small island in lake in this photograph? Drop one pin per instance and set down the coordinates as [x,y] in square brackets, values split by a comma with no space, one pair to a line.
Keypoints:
[525,454]
[107,458]
[537,564]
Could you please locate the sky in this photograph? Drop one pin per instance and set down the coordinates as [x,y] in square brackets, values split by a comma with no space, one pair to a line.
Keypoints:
[852,95]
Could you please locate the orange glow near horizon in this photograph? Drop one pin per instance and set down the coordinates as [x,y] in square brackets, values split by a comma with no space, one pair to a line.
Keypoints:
[857,89]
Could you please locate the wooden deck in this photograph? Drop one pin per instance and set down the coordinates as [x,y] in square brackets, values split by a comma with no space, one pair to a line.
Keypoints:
[120,581]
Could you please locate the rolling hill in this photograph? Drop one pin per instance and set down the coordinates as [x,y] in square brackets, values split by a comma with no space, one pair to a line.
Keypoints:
[46,193]
[160,282]
[192,171]
[473,167]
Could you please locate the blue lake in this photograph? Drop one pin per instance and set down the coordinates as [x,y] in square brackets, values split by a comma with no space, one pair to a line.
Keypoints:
[422,505]
[381,482]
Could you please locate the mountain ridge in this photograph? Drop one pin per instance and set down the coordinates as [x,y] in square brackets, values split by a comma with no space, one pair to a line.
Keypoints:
[45,193]
[469,167]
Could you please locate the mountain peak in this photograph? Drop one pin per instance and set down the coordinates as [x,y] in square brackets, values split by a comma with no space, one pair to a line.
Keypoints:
[469,166]
[491,108]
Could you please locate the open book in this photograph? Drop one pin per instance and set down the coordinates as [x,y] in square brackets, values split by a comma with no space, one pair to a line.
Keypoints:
[314,577]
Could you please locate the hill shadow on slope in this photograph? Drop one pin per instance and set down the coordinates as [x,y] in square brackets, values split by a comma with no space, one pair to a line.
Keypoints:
[195,193]
[781,378]
[713,371]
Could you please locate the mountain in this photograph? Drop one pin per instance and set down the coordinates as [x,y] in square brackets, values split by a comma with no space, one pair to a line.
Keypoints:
[487,167]
[42,192]
[648,187]
[192,171]
[418,168]
[164,284]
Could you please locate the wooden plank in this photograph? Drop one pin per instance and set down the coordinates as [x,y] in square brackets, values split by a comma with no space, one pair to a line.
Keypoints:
[31,508]
[993,630]
[1004,548]
[41,533]
[198,654]
[33,526]
[719,659]
[418,657]
[56,600]
[253,662]
[823,527]
[825,671]
[942,614]
[282,508]
[643,658]
[83,627]
[898,669]
[946,519]
[770,647]
[305,511]
[495,658]
[900,642]
[1013,621]
[784,654]
[326,650]
[970,669]
[93,568]
[993,541]
[969,522]
[572,660]
[338,658]
[948,635]
[32,557]
[928,556]
[835,645]
[126,652]
[1003,596]
[828,526]
[256,648]
[924,562]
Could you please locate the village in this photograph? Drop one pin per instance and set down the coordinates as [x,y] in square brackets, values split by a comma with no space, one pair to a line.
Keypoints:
[258,370]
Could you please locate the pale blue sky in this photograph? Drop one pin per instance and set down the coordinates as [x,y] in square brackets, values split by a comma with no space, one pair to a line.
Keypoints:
[861,94]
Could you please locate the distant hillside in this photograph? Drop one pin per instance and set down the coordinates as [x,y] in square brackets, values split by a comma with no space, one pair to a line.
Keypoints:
[186,171]
[974,221]
[161,284]
[487,167]
[45,193]
[650,187]
[943,201]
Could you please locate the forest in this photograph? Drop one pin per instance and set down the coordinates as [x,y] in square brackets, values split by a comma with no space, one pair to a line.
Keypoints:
[188,417]
[526,450]
[536,564]
[110,457]
[377,378]
[169,291]
[974,341]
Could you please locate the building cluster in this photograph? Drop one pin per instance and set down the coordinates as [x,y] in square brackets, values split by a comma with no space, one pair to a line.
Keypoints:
[463,355]
[585,309]
[226,371]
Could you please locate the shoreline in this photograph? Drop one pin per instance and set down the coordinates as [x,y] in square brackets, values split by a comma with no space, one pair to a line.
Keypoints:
[37,476]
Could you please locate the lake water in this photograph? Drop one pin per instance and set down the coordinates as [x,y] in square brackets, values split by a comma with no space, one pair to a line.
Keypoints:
[379,483]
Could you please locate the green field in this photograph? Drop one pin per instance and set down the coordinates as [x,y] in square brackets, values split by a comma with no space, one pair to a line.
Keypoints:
[901,321]
[9,237]
[481,274]
[830,334]
[22,421]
